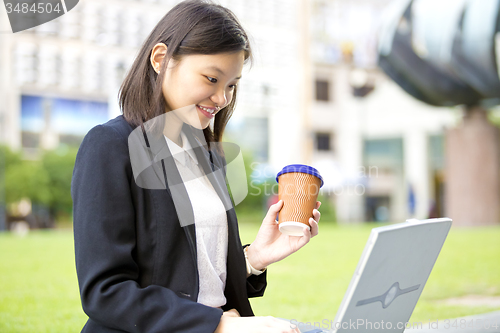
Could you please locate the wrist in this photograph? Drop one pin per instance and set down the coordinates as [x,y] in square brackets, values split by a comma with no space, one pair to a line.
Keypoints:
[254,259]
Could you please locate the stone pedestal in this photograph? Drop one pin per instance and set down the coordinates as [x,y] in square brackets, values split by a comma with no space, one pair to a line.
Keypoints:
[472,189]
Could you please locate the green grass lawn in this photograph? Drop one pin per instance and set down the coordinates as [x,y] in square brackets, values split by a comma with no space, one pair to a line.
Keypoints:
[39,291]
[38,287]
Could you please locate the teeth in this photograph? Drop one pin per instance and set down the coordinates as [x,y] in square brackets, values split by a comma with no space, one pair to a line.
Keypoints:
[208,110]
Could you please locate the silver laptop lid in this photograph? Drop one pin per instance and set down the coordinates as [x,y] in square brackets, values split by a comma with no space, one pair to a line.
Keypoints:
[390,276]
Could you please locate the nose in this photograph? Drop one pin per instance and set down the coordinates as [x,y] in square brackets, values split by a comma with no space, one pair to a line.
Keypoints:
[220,98]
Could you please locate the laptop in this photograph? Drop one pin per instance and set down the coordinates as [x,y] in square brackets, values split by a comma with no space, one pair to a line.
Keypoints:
[390,276]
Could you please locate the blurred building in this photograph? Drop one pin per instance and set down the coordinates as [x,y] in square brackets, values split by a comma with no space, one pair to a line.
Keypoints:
[381,150]
[273,94]
[61,78]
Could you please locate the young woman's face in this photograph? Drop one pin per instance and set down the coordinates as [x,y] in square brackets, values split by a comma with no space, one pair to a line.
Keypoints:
[206,81]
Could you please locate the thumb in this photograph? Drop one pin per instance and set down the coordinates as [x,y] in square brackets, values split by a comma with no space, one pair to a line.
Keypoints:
[232,313]
[271,213]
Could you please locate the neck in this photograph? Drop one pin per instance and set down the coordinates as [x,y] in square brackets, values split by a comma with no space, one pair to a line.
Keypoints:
[173,128]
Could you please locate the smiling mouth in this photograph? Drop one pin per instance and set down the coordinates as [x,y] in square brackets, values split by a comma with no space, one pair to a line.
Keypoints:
[208,110]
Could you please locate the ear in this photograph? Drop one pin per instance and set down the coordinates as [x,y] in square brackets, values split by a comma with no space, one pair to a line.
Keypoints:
[157,54]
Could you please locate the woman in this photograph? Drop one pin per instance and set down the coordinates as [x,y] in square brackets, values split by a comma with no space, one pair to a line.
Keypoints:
[156,251]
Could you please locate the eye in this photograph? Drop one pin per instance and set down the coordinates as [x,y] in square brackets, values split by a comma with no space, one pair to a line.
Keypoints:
[211,79]
[233,86]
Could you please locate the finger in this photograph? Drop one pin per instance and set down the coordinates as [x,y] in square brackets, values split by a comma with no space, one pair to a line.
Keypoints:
[232,313]
[318,203]
[292,330]
[316,215]
[284,326]
[271,213]
[304,239]
[314,227]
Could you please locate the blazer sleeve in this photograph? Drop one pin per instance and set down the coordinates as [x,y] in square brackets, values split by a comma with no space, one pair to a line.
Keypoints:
[104,231]
[256,284]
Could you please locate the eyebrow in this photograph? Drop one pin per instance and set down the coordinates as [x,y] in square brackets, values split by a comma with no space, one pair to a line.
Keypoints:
[217,69]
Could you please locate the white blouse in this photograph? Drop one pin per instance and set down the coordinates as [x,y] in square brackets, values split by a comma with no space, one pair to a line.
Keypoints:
[210,225]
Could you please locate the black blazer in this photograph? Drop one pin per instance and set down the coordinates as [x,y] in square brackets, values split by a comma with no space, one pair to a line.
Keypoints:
[136,264]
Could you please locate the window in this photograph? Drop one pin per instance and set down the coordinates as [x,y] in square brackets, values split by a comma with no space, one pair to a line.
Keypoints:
[322,90]
[323,141]
[384,153]
[26,63]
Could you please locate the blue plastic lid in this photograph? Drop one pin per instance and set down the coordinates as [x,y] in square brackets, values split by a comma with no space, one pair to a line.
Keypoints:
[300,168]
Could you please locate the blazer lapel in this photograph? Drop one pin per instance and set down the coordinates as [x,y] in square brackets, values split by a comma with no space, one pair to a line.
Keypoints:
[162,160]
[142,151]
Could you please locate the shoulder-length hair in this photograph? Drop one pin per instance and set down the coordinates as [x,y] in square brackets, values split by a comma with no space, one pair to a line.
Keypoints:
[191,27]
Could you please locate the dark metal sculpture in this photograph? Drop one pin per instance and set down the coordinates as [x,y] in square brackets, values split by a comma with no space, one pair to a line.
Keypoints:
[466,73]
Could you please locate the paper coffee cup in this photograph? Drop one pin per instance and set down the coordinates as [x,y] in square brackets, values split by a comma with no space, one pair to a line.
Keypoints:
[299,186]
